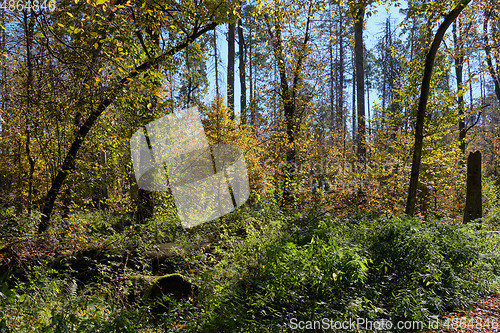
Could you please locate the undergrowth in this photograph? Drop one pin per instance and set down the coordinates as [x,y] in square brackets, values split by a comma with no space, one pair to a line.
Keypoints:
[265,269]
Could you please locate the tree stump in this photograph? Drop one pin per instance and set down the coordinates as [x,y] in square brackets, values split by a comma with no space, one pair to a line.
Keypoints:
[474,200]
[174,286]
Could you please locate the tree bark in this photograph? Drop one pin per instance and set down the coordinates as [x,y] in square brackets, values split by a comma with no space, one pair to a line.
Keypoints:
[332,75]
[474,199]
[70,158]
[242,62]
[487,48]
[250,63]
[340,92]
[353,101]
[28,29]
[230,68]
[216,60]
[459,63]
[422,105]
[360,81]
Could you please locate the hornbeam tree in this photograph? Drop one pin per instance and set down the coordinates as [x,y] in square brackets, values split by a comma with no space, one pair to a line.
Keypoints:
[93,31]
[290,54]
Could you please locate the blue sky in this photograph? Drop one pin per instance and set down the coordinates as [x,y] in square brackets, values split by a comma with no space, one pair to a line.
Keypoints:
[374,27]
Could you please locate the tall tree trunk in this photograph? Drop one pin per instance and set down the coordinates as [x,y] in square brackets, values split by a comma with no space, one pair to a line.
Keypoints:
[353,101]
[422,105]
[340,92]
[230,68]
[28,21]
[459,63]
[243,84]
[360,81]
[250,63]
[332,75]
[368,112]
[189,89]
[495,75]
[216,60]
[3,83]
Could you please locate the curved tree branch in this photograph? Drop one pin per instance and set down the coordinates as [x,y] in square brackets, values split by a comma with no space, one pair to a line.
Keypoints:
[422,105]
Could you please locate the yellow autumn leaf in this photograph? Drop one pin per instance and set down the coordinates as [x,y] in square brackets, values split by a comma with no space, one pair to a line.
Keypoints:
[97,79]
[96,45]
[150,105]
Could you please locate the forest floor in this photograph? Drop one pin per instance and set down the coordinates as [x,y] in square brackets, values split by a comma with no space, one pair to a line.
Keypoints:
[485,317]
[250,271]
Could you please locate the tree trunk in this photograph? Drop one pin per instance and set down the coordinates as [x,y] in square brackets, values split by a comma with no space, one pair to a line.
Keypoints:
[216,60]
[250,63]
[360,81]
[230,68]
[353,101]
[3,83]
[487,48]
[243,85]
[100,191]
[145,205]
[368,112]
[422,105]
[340,92]
[28,29]
[332,75]
[459,63]
[474,199]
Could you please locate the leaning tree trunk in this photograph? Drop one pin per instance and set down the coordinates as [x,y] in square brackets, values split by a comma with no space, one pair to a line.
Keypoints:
[422,105]
[70,159]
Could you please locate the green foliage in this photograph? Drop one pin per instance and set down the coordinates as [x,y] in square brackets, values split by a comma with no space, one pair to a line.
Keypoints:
[13,224]
[256,268]
[378,268]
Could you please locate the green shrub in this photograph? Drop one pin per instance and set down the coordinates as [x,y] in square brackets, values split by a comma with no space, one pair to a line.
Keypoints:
[380,268]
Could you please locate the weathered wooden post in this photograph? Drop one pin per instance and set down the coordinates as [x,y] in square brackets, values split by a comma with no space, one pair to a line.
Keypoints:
[474,200]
